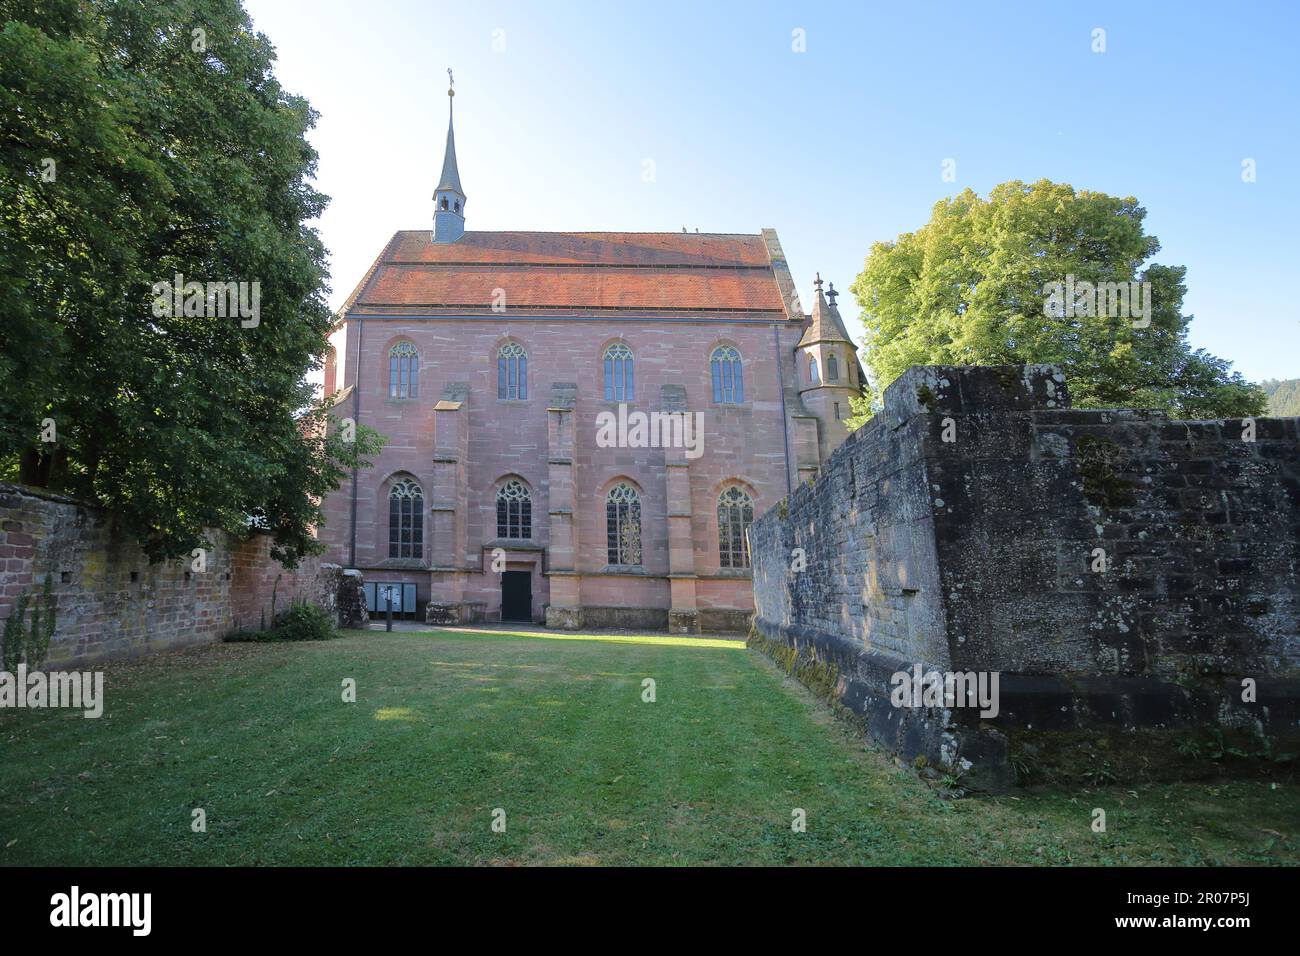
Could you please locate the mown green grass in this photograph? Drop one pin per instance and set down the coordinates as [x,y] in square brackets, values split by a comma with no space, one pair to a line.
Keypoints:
[449,726]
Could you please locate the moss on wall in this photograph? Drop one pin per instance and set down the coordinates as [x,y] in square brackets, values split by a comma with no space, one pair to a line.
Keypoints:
[820,677]
[1098,459]
[1101,756]
[926,398]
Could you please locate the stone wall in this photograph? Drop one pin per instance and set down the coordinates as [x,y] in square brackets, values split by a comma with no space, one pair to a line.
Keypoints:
[112,603]
[1122,574]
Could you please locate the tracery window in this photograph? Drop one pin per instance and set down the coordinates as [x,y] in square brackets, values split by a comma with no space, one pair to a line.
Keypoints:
[728,381]
[618,373]
[405,520]
[735,515]
[514,510]
[623,524]
[512,371]
[403,371]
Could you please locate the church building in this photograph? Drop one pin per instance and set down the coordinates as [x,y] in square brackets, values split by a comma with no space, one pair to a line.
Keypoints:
[515,373]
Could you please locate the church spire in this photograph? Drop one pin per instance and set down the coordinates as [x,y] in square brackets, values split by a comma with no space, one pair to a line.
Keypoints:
[449,197]
[825,324]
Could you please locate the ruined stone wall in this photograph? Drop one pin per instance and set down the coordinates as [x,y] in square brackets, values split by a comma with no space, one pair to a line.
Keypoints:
[867,537]
[1120,572]
[112,603]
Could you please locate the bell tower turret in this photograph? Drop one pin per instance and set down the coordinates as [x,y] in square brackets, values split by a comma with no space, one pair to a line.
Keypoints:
[449,197]
[828,369]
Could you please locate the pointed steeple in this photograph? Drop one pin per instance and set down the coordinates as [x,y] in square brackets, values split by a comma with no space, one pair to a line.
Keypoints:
[829,373]
[450,173]
[826,325]
[449,197]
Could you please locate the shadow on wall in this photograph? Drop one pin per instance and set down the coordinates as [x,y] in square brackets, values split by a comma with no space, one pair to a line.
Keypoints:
[1127,583]
[111,603]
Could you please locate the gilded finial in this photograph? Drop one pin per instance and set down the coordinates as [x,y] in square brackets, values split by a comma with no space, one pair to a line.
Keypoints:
[451,83]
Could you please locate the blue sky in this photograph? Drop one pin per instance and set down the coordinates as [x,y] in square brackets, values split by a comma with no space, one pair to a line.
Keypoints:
[560,105]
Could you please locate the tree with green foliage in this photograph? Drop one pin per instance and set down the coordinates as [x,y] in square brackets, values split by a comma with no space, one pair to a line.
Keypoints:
[140,142]
[981,284]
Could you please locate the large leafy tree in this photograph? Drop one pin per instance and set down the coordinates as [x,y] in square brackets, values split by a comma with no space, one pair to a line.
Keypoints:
[973,286]
[139,141]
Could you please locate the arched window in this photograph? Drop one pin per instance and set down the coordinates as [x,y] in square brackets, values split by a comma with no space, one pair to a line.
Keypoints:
[457,206]
[735,515]
[514,510]
[512,371]
[832,368]
[405,520]
[403,371]
[444,202]
[812,370]
[728,383]
[618,373]
[623,524]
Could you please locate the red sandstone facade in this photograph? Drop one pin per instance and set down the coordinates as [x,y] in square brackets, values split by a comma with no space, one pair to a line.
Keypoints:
[488,359]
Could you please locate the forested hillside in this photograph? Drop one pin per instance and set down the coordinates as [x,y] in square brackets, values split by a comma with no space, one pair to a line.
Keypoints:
[1283,396]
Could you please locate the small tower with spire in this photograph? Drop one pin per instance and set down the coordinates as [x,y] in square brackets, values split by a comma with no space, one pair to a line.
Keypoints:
[449,198]
[828,369]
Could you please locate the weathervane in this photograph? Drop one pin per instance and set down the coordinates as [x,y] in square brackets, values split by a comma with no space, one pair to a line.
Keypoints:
[451,83]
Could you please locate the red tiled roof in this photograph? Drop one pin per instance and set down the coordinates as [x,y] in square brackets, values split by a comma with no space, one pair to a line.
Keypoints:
[584,248]
[580,271]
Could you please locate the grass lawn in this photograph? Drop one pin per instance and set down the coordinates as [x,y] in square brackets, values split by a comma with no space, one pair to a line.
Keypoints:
[552,729]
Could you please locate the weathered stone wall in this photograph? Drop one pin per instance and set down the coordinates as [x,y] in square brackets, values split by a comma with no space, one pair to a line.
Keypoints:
[112,603]
[351,595]
[1120,572]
